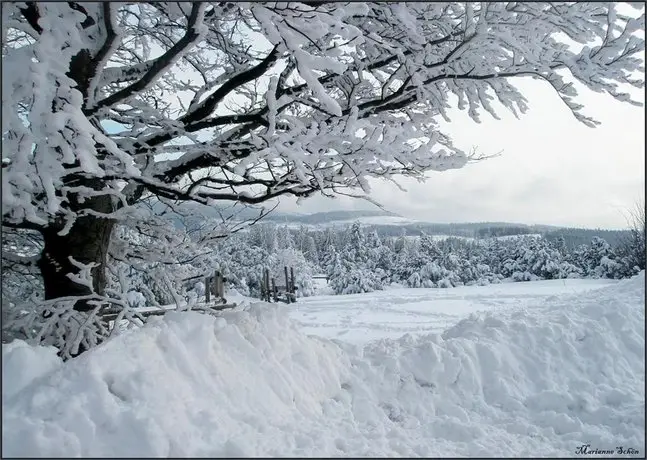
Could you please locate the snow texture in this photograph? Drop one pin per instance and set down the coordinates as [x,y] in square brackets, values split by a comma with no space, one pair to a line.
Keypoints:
[389,314]
[538,380]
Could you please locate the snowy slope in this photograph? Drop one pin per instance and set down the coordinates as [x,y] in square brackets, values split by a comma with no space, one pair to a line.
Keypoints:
[364,220]
[374,220]
[539,380]
[359,318]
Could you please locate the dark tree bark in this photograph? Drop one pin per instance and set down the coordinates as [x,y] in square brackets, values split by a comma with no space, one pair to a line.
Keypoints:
[87,242]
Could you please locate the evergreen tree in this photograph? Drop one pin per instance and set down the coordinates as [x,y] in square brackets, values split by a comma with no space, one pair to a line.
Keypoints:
[599,259]
[284,238]
[310,251]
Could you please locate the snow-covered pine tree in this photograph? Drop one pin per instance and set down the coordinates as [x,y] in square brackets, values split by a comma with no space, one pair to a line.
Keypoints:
[310,251]
[284,238]
[355,250]
[632,253]
[354,272]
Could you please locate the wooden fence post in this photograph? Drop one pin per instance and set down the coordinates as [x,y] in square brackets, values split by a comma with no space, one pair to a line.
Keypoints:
[265,288]
[287,284]
[219,285]
[207,289]
[275,290]
[263,285]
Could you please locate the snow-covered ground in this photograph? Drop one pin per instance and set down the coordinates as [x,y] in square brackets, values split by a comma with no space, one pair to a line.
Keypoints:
[514,237]
[439,237]
[358,318]
[375,220]
[548,368]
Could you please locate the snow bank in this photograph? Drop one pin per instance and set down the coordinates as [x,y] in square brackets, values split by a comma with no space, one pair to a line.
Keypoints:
[186,385]
[22,364]
[526,383]
[537,382]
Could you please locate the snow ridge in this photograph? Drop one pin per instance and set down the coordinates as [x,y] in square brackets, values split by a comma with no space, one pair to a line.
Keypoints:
[523,382]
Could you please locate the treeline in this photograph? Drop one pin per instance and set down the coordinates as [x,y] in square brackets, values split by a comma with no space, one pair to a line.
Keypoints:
[573,237]
[358,261]
[167,268]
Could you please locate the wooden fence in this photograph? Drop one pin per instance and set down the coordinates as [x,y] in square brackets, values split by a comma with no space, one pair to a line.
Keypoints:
[272,292]
[213,285]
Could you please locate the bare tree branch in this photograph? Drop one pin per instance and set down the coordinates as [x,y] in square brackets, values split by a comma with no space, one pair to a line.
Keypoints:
[160,64]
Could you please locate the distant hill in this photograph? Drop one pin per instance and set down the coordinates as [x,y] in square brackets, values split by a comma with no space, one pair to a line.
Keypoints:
[327,217]
[390,224]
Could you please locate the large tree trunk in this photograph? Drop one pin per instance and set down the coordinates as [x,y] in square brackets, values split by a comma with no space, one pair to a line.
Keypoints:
[86,242]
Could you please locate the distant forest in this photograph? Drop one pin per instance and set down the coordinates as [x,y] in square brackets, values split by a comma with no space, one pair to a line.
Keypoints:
[573,237]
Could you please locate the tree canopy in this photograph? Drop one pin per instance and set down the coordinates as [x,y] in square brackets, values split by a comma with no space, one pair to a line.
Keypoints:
[245,102]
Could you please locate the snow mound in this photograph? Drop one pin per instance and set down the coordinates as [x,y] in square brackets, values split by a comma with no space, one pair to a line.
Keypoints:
[536,383]
[23,364]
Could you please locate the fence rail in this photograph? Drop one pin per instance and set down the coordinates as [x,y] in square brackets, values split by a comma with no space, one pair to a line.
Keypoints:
[272,292]
[214,285]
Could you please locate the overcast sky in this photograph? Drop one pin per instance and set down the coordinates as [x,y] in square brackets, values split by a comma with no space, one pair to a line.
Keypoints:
[553,169]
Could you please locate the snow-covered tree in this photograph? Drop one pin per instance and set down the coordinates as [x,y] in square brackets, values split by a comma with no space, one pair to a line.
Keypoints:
[597,257]
[632,252]
[326,248]
[310,250]
[541,259]
[355,249]
[264,235]
[106,103]
[347,278]
[284,238]
[242,264]
[355,267]
[428,247]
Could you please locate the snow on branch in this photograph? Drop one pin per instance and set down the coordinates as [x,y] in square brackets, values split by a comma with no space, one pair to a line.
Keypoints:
[194,32]
[134,99]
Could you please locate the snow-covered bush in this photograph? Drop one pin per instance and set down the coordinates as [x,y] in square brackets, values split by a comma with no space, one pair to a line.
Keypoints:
[414,281]
[445,283]
[354,280]
[607,268]
[524,276]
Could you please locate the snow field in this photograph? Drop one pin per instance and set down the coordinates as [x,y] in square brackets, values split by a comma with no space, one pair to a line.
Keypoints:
[391,313]
[539,380]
